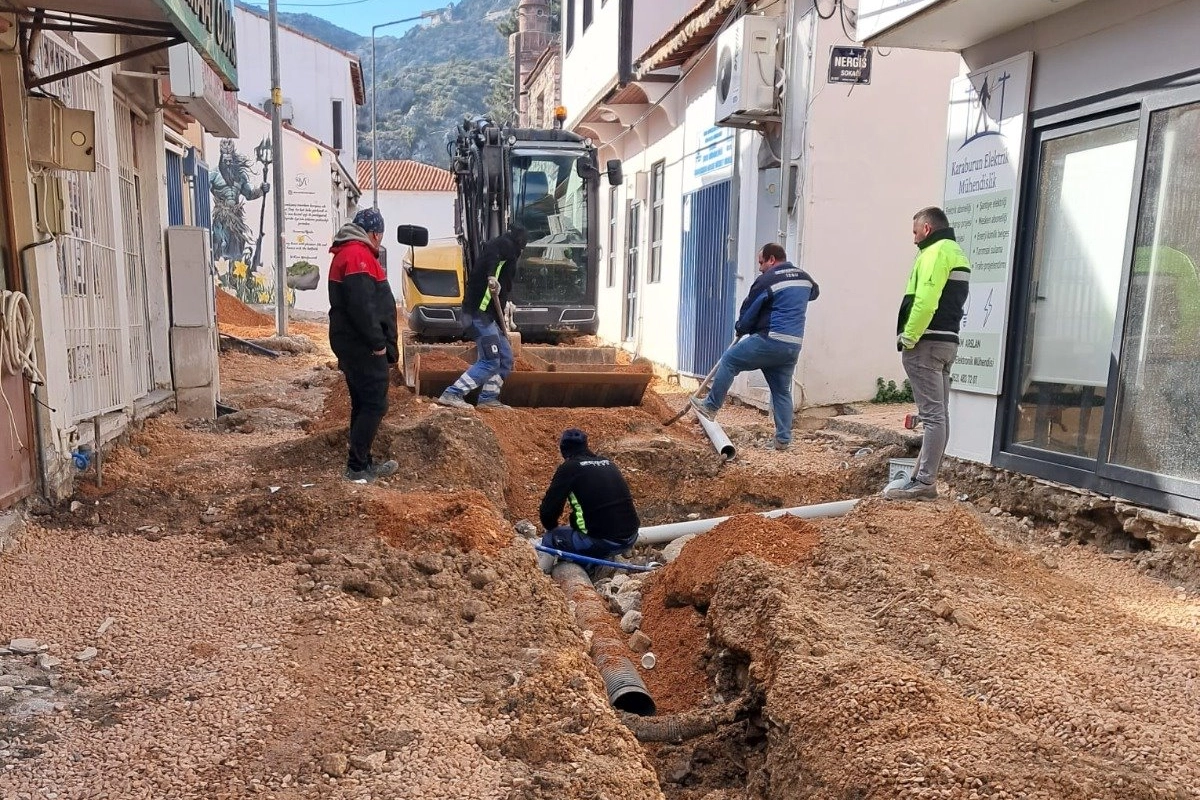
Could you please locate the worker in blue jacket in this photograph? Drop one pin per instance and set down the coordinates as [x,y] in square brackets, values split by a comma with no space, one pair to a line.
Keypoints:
[771,327]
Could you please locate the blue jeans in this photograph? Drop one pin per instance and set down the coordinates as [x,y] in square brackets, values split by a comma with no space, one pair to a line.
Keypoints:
[566,538]
[493,363]
[777,360]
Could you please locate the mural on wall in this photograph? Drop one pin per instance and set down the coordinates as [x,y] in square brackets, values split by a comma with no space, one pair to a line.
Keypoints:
[243,191]
[236,184]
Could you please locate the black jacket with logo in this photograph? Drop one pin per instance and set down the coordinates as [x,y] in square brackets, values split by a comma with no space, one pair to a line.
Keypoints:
[598,499]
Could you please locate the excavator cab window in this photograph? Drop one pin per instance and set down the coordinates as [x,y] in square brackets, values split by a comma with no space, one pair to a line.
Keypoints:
[549,199]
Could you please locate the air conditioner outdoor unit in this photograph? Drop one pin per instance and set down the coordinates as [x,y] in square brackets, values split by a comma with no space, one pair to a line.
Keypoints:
[746,65]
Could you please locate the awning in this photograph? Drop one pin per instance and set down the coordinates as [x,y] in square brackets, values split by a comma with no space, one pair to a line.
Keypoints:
[206,24]
[686,39]
[952,25]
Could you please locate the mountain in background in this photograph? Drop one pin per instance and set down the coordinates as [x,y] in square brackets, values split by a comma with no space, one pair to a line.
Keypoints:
[429,78]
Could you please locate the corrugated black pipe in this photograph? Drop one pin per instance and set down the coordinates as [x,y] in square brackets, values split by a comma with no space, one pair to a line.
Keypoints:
[624,686]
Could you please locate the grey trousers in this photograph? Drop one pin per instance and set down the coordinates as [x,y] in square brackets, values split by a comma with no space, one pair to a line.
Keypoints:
[928,368]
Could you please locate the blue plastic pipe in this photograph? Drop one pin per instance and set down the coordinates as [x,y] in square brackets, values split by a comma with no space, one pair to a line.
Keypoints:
[599,562]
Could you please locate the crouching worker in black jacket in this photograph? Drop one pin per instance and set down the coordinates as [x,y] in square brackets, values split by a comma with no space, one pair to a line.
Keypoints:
[362,334]
[603,520]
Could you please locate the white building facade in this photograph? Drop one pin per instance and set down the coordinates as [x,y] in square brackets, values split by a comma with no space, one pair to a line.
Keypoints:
[322,89]
[1070,156]
[322,86]
[679,238]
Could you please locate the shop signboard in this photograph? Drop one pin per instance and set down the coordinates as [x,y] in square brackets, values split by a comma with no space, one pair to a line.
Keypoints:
[983,166]
[209,26]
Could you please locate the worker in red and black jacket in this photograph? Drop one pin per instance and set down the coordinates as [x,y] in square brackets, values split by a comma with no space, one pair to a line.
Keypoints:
[362,334]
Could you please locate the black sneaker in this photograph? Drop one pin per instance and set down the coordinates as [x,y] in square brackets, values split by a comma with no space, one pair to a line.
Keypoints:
[383,469]
[358,475]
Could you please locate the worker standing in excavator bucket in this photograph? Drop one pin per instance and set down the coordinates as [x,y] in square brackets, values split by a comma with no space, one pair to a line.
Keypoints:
[603,521]
[490,280]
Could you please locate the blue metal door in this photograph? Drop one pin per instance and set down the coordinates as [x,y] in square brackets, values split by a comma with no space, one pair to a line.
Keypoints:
[174,189]
[706,309]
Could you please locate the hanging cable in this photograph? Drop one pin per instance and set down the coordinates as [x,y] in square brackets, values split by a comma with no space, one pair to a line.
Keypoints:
[18,337]
[817,8]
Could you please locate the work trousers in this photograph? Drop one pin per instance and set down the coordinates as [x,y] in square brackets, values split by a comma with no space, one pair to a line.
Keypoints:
[566,538]
[492,365]
[777,360]
[928,368]
[367,381]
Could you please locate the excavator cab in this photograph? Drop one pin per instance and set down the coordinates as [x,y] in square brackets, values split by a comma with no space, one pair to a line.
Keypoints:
[546,181]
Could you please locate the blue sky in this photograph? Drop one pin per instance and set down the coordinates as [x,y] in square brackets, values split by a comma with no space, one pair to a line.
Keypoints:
[359,15]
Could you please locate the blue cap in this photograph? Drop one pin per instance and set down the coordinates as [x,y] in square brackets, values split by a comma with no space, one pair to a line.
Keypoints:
[572,441]
[370,220]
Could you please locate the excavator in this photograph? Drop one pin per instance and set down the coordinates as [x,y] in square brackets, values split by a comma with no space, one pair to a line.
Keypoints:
[548,182]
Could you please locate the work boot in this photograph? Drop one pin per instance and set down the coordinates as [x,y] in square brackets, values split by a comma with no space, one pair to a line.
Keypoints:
[775,444]
[452,399]
[703,409]
[357,475]
[913,490]
[493,404]
[383,469]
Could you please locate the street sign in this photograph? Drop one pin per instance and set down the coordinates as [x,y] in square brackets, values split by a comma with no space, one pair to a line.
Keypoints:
[849,64]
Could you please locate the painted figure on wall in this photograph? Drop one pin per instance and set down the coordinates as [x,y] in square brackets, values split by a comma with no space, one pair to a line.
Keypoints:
[231,187]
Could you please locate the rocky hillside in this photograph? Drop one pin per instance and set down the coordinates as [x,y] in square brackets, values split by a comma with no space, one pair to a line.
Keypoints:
[430,77]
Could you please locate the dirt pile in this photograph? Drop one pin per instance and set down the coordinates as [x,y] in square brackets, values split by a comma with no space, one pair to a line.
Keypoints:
[442,451]
[679,639]
[692,578]
[423,521]
[235,318]
[233,313]
[436,360]
[921,656]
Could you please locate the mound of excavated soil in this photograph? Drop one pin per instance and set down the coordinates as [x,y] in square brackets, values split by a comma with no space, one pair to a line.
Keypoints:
[692,577]
[421,521]
[435,360]
[444,451]
[235,313]
[922,656]
[678,636]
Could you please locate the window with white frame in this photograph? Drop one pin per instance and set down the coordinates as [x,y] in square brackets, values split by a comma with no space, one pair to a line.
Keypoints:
[658,174]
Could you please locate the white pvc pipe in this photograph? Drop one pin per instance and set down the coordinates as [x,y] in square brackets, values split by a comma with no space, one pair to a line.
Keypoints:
[661,534]
[716,435]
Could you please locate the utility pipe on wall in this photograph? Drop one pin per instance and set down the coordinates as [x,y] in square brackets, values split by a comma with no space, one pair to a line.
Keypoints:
[661,534]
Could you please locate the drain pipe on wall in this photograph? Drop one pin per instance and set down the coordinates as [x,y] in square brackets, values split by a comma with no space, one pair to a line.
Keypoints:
[622,683]
[661,534]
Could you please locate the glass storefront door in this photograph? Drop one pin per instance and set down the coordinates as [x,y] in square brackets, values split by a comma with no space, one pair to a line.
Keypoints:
[1104,378]
[1084,190]
[1157,420]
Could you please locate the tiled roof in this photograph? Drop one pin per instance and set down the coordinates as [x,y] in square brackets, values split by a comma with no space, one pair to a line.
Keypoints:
[406,176]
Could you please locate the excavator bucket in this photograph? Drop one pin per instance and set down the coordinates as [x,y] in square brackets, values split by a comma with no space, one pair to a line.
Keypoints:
[545,375]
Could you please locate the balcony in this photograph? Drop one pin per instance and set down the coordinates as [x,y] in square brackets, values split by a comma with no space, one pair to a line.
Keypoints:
[952,25]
